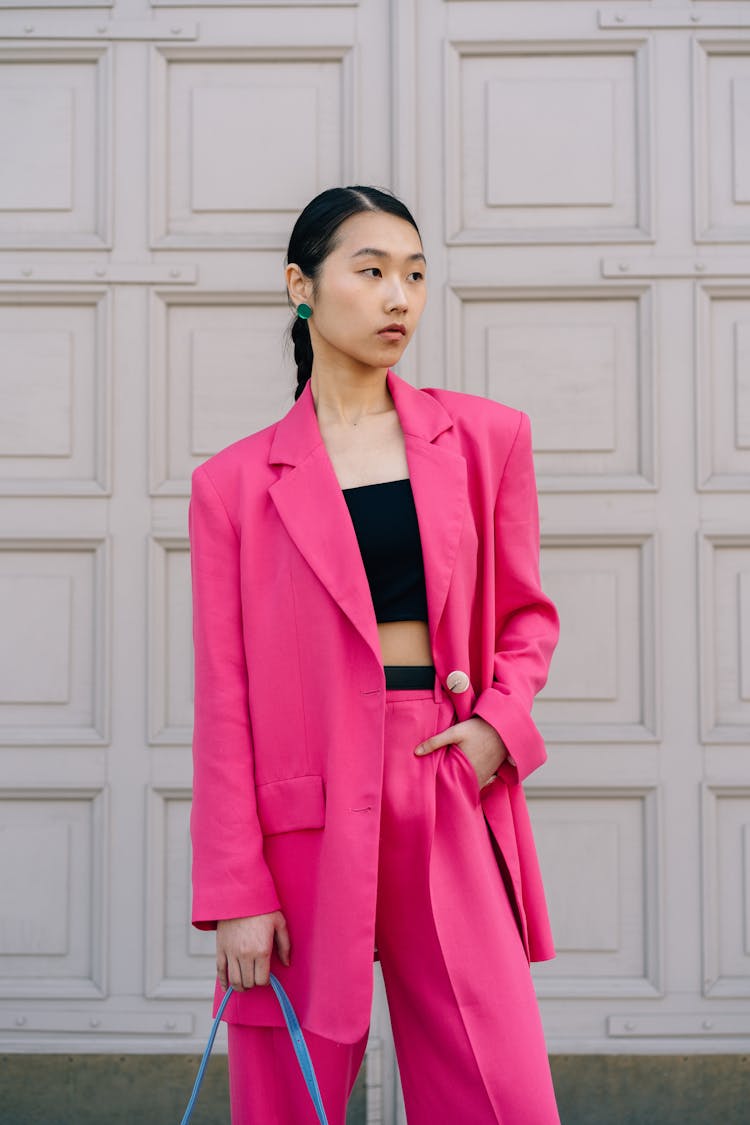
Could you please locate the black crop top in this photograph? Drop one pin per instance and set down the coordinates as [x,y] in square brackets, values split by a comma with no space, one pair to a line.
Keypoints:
[385,523]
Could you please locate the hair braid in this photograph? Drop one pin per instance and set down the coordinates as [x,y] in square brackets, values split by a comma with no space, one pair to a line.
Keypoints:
[303,353]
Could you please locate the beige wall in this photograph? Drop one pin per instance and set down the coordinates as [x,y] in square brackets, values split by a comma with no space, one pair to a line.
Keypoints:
[582,178]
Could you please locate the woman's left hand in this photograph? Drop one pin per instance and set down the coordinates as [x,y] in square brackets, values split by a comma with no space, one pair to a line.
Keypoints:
[478,740]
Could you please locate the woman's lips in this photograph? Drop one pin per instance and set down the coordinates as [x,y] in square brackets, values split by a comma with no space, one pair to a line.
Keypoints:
[392,333]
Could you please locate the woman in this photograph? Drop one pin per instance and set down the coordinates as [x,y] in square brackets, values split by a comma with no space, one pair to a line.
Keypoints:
[369,634]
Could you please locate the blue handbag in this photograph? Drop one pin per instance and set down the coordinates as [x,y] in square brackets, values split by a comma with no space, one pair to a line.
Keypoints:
[298,1042]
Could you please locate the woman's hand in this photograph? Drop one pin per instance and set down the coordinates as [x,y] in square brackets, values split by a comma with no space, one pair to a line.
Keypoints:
[243,949]
[478,740]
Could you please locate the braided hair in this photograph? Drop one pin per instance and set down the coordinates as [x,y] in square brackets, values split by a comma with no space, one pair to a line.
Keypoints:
[314,237]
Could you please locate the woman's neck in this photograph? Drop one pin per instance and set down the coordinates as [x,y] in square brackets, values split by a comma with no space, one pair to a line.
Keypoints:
[344,397]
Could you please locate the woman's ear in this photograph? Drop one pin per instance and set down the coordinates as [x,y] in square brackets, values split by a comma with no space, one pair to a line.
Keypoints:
[298,286]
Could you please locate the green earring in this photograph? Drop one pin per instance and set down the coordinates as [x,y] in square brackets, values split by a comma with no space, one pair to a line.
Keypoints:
[304,312]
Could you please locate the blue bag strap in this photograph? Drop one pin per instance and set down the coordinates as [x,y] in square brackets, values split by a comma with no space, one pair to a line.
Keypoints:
[298,1042]
[300,1049]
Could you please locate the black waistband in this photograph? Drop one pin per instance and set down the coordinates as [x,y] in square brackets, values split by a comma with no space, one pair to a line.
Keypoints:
[409,676]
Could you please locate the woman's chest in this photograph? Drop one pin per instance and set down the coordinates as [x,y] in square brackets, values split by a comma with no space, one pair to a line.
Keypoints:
[369,453]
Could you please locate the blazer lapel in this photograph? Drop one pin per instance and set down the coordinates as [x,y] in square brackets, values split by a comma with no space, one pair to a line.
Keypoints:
[439,481]
[312,507]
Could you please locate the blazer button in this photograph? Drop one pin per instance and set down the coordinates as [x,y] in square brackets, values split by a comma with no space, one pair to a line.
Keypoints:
[457,681]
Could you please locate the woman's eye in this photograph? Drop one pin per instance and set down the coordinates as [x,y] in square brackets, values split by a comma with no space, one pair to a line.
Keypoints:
[373,270]
[417,275]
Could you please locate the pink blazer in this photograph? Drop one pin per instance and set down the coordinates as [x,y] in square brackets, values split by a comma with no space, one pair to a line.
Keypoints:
[290,689]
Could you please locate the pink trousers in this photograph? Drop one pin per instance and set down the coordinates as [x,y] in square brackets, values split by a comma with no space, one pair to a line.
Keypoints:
[464,1014]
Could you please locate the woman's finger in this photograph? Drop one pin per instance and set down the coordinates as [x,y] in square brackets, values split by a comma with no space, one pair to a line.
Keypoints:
[262,973]
[247,971]
[235,975]
[221,970]
[443,738]
[244,973]
[283,943]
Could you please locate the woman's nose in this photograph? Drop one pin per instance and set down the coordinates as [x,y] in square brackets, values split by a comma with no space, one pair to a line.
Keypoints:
[397,297]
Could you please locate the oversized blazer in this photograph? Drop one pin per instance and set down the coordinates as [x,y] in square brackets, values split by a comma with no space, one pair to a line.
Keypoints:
[290,688]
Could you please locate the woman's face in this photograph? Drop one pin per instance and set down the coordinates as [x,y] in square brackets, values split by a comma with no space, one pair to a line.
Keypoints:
[370,292]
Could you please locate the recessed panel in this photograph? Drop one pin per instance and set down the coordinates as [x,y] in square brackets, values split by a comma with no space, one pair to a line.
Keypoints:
[746,889]
[232,377]
[52,661]
[727,884]
[725,652]
[36,387]
[35,877]
[245,143]
[599,684]
[171,644]
[223,372]
[740,145]
[55,178]
[724,388]
[239,177]
[181,959]
[544,144]
[539,143]
[593,679]
[54,378]
[592,850]
[566,374]
[587,912]
[39,178]
[578,367]
[50,863]
[743,594]
[35,640]
[189,952]
[723,144]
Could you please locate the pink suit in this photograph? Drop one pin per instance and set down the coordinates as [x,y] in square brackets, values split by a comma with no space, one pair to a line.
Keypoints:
[290,704]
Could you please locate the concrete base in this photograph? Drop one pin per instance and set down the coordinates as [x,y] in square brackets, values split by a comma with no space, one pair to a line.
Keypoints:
[121,1090]
[652,1089]
[154,1089]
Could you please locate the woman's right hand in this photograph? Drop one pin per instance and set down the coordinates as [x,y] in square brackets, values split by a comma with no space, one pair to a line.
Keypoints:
[243,949]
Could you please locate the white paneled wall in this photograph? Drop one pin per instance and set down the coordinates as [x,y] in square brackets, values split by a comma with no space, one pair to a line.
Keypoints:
[581,175]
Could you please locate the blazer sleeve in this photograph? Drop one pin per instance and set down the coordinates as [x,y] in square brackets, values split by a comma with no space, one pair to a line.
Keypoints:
[526,621]
[230,875]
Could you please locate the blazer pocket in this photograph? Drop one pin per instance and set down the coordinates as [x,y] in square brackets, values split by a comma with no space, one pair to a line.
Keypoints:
[291,805]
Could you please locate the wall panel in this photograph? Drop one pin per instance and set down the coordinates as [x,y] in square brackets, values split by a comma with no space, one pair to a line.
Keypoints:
[228,124]
[547,141]
[55,108]
[603,899]
[218,359]
[54,913]
[722,148]
[727,891]
[54,392]
[579,362]
[53,661]
[601,685]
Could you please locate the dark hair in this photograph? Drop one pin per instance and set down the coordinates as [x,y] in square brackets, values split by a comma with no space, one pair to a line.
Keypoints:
[314,237]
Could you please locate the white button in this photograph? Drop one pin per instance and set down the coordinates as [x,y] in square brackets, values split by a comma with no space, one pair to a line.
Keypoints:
[457,681]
